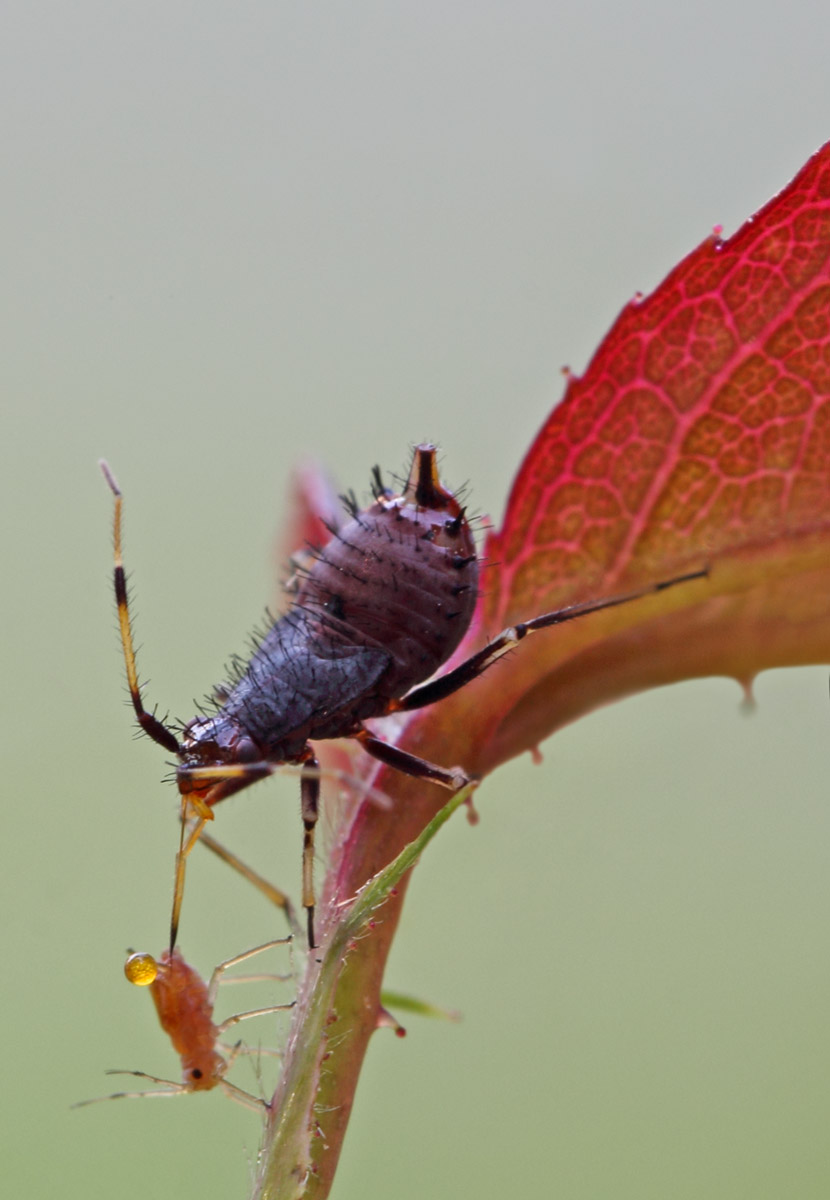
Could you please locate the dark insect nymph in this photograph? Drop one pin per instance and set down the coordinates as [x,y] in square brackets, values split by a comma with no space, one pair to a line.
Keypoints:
[385,602]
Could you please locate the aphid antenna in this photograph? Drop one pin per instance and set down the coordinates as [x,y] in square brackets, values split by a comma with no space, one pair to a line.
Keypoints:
[172,1088]
[150,724]
[110,478]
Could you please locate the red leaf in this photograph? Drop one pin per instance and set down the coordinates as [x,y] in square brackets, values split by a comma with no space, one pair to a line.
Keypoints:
[700,426]
[698,435]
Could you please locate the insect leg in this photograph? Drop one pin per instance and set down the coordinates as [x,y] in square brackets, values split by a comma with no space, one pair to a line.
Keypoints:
[452,778]
[254,1012]
[309,802]
[268,890]
[310,774]
[509,638]
[149,723]
[242,1097]
[218,972]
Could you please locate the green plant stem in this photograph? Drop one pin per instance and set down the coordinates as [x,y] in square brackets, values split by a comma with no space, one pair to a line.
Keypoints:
[336,1014]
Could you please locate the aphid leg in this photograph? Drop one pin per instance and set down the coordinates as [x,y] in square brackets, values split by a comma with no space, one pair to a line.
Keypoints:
[218,972]
[240,1049]
[149,723]
[310,804]
[452,778]
[231,1090]
[242,1097]
[254,1012]
[268,890]
[508,639]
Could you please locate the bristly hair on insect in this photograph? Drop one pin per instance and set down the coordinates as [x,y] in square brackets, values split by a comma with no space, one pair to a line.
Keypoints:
[375,613]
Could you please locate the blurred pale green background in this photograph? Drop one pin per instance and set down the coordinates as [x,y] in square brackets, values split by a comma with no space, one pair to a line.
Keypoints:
[237,235]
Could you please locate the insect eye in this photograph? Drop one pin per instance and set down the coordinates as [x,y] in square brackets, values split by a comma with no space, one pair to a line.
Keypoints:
[196,1073]
[245,750]
[141,969]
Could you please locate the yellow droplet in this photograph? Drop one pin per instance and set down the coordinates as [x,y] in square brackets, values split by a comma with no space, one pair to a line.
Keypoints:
[141,969]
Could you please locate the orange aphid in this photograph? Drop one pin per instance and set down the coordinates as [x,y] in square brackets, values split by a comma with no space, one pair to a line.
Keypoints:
[185,1010]
[185,1005]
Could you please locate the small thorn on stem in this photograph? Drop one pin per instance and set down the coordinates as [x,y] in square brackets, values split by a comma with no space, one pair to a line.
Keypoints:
[387,1021]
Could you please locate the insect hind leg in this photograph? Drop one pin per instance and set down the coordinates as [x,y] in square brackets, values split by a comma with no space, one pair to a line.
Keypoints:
[508,639]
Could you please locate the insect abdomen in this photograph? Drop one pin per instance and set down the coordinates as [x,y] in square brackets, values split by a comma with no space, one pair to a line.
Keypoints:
[186,1015]
[401,576]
